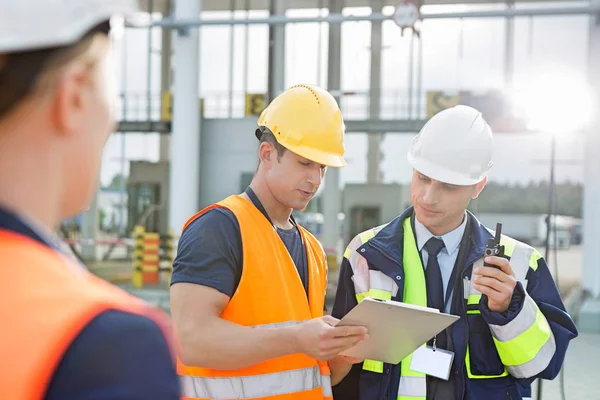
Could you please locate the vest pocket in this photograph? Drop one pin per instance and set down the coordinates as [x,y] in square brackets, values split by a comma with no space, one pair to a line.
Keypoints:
[484,361]
[494,389]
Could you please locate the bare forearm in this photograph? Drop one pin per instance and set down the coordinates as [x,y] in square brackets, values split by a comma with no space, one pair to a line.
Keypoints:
[224,345]
[339,369]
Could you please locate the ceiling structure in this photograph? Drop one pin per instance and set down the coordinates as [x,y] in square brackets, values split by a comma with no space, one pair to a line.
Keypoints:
[225,5]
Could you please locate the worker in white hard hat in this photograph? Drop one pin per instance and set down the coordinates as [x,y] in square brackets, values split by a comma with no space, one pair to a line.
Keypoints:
[513,327]
[66,334]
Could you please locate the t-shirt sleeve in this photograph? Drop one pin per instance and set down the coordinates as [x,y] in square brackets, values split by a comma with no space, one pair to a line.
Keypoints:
[210,252]
[116,356]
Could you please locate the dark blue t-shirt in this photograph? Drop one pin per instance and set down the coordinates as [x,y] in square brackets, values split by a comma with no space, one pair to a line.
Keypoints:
[210,250]
[116,356]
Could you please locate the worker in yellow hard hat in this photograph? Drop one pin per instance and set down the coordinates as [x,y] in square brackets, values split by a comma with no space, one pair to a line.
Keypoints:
[248,284]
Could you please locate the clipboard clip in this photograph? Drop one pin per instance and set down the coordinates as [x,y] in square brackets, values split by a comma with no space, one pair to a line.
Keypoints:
[379,300]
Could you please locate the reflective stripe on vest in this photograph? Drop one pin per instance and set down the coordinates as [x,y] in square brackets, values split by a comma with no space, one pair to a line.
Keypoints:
[526,344]
[415,292]
[250,387]
[257,386]
[377,285]
[267,297]
[522,258]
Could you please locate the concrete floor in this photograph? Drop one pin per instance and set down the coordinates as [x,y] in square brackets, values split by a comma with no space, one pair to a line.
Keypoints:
[581,372]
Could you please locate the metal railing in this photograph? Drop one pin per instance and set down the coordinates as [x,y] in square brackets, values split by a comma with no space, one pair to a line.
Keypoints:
[395,104]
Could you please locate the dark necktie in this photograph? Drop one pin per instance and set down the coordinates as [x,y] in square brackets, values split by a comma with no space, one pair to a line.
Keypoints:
[433,275]
[435,285]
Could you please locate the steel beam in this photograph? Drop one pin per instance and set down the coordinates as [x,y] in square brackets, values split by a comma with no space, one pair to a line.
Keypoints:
[144,126]
[352,126]
[384,125]
[221,5]
[337,18]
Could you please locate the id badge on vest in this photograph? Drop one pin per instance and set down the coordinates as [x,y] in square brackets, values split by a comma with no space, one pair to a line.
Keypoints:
[432,361]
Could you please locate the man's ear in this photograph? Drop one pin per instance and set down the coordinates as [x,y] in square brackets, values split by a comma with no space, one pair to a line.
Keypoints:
[69,98]
[479,188]
[265,151]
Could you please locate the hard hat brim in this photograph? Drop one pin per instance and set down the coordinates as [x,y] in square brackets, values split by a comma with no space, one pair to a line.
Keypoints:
[311,154]
[64,28]
[319,157]
[438,173]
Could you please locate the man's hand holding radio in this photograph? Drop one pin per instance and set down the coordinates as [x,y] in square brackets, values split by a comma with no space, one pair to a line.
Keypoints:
[497,283]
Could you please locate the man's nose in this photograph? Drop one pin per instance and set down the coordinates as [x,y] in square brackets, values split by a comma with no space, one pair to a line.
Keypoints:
[316,177]
[431,195]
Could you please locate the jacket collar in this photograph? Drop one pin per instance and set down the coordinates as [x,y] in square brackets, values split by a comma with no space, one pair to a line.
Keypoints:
[479,235]
[391,238]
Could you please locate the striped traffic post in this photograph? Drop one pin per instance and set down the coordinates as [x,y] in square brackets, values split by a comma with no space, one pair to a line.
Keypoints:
[138,257]
[151,259]
[167,255]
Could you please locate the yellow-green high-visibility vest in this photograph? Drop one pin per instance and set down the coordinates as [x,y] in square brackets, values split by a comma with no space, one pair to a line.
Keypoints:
[521,354]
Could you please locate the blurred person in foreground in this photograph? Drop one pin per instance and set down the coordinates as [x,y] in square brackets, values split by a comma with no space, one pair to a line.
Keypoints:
[66,334]
[513,327]
[248,285]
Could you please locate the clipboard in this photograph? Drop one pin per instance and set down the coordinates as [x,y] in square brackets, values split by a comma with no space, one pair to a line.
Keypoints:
[395,329]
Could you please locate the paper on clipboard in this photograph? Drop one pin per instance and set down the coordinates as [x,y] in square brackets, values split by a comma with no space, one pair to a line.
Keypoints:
[395,329]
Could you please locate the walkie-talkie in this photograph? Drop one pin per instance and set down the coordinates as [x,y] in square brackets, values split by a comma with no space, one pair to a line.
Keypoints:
[494,248]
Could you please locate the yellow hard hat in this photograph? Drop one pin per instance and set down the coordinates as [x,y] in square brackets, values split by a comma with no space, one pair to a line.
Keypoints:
[306,120]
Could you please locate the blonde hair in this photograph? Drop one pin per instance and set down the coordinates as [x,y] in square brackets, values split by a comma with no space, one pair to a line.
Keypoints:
[29,74]
[89,52]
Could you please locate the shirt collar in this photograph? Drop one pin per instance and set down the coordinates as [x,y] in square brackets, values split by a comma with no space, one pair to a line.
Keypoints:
[451,239]
[34,229]
[31,227]
[40,229]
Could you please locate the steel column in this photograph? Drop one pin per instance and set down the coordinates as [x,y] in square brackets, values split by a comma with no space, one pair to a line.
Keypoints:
[374,174]
[276,75]
[184,172]
[591,208]
[331,194]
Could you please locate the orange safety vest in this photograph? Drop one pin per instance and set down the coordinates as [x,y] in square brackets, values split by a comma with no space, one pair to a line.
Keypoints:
[270,293]
[46,302]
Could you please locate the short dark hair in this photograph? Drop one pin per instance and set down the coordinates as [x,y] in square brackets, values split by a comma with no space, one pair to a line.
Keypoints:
[265,135]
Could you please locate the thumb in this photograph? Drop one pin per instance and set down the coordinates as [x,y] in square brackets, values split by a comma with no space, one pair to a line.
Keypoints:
[329,320]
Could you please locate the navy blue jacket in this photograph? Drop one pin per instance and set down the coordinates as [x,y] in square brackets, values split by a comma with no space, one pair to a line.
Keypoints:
[384,253]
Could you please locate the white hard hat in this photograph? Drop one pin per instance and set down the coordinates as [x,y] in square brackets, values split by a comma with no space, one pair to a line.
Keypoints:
[455,146]
[27,25]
